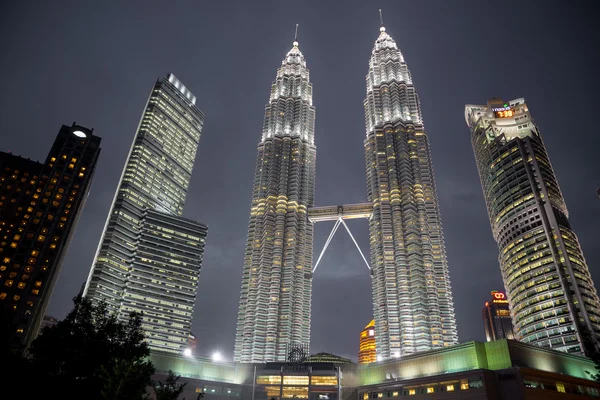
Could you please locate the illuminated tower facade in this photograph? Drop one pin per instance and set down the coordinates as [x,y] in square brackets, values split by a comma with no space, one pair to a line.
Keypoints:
[412,296]
[40,205]
[549,288]
[275,299]
[497,322]
[149,257]
[367,352]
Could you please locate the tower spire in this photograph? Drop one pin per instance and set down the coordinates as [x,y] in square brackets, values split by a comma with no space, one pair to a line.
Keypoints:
[296,36]
[382,28]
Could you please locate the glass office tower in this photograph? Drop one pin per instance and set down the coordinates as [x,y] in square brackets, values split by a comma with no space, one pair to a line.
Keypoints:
[40,205]
[552,297]
[149,257]
[412,296]
[275,299]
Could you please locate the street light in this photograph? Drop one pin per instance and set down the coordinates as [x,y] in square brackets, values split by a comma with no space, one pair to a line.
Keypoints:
[216,356]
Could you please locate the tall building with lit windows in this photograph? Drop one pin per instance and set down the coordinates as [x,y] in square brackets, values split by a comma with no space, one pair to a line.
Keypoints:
[497,321]
[412,295]
[149,256]
[367,352]
[549,287]
[275,299]
[40,204]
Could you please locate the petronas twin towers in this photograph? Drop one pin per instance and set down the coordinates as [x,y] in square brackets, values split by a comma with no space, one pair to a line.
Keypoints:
[412,298]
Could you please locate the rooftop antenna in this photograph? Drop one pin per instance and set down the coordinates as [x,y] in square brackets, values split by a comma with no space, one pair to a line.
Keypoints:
[296,35]
[380,17]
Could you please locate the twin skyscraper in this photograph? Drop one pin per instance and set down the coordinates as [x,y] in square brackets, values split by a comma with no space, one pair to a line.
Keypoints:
[149,257]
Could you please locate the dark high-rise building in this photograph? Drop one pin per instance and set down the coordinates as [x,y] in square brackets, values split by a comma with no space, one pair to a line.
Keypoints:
[149,257]
[275,299]
[40,204]
[497,322]
[552,297]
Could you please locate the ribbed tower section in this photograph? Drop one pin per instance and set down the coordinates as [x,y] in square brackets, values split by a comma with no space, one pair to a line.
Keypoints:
[552,297]
[412,296]
[275,299]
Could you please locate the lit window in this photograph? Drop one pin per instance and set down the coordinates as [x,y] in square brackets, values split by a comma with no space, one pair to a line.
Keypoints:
[464,384]
[8,283]
[395,394]
[35,292]
[365,396]
[34,253]
[20,330]
[2,296]
[429,390]
[449,388]
[38,283]
[412,392]
[13,245]
[52,246]
[71,166]
[21,285]
[560,387]
[380,395]
[16,297]
[73,159]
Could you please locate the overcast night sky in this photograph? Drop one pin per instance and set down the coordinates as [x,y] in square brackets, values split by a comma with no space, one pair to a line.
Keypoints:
[96,62]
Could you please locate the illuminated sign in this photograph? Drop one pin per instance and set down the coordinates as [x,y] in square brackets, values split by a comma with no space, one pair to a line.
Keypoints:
[503,112]
[499,297]
[371,332]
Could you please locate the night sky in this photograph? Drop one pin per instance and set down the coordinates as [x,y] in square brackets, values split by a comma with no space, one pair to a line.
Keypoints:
[96,62]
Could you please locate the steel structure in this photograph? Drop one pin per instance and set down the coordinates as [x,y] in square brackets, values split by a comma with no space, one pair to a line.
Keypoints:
[412,297]
[550,291]
[275,299]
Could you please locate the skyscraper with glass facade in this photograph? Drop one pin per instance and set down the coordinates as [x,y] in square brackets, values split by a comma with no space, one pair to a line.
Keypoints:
[552,297]
[412,295]
[149,257]
[275,299]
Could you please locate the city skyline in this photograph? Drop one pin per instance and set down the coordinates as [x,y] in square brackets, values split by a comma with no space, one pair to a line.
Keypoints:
[341,173]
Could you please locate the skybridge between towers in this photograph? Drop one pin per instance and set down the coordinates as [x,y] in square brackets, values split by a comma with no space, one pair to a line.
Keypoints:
[339,214]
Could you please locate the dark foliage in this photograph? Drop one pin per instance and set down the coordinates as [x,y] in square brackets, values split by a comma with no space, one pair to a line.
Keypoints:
[91,355]
[170,389]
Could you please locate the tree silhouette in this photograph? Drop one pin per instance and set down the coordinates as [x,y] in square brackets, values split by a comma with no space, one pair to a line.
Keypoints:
[170,389]
[91,354]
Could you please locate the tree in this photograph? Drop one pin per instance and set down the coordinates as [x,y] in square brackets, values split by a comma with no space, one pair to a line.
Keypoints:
[170,389]
[93,355]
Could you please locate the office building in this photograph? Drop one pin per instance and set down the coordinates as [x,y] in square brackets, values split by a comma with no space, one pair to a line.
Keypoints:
[412,296]
[149,256]
[551,295]
[367,352]
[275,298]
[40,204]
[497,322]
